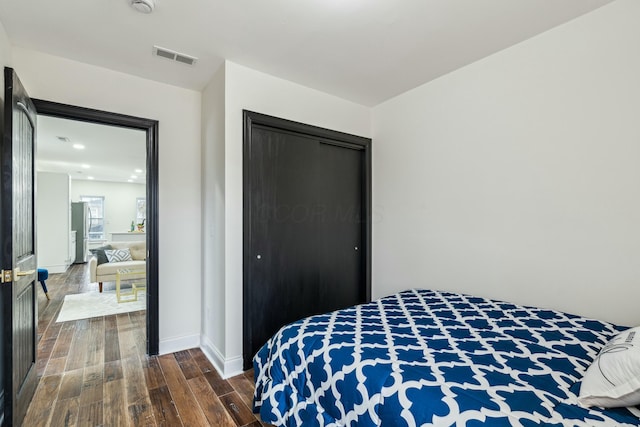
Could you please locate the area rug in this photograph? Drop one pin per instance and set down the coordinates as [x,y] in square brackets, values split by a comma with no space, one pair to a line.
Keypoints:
[96,304]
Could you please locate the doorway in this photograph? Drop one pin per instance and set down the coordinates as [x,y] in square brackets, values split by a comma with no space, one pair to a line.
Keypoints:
[150,129]
[307,224]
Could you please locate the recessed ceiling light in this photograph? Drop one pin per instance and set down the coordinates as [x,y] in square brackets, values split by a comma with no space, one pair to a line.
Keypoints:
[86,166]
[89,177]
[134,176]
[138,171]
[78,146]
[129,180]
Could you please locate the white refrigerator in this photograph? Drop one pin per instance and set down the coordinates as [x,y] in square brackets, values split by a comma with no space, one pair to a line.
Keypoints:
[81,224]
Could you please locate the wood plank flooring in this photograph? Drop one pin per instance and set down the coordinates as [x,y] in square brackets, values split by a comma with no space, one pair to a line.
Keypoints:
[94,372]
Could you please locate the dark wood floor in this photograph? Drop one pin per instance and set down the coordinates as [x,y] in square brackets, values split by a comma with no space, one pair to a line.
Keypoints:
[94,372]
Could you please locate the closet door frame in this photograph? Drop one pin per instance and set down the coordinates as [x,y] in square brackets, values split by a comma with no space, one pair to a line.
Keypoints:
[252,119]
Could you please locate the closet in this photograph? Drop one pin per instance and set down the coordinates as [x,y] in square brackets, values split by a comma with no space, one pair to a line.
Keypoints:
[307,230]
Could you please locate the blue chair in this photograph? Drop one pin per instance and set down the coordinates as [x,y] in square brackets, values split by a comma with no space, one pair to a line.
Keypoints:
[43,274]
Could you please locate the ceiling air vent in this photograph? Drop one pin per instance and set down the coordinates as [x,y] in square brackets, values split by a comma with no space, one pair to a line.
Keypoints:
[63,138]
[174,56]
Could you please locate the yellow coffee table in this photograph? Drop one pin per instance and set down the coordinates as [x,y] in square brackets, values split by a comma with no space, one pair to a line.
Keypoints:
[130,275]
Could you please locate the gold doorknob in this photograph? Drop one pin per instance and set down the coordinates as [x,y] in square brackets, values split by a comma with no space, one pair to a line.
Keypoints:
[25,273]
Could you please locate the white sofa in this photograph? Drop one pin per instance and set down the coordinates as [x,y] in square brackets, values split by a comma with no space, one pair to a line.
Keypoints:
[106,272]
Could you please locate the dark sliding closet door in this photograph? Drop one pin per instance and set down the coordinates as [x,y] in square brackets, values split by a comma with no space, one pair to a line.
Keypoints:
[306,225]
[339,226]
[284,277]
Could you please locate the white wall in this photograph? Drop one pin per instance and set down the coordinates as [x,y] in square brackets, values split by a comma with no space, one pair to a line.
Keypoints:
[119,201]
[178,112]
[5,60]
[252,90]
[5,52]
[213,219]
[53,221]
[518,176]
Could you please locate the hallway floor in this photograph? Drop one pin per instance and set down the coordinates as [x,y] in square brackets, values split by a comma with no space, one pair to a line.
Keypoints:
[94,372]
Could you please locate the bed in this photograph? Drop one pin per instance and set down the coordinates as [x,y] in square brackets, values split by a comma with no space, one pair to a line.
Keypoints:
[424,357]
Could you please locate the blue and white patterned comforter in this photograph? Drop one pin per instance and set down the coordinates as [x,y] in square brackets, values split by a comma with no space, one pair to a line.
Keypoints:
[425,357]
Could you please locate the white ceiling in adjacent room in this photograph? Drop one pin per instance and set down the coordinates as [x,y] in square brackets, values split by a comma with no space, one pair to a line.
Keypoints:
[108,153]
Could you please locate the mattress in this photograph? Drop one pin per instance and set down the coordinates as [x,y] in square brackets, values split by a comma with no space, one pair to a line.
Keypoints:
[425,357]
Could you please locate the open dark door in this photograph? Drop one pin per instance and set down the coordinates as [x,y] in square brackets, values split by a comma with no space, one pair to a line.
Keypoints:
[17,253]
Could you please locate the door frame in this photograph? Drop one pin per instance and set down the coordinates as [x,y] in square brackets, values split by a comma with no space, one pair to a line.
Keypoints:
[72,112]
[341,139]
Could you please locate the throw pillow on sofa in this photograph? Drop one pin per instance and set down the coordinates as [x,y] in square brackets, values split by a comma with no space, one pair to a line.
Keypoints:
[100,255]
[118,255]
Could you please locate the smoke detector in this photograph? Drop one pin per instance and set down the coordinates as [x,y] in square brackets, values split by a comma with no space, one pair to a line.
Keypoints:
[143,6]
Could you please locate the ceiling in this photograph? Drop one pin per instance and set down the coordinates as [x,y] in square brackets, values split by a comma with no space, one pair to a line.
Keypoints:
[110,153]
[366,51]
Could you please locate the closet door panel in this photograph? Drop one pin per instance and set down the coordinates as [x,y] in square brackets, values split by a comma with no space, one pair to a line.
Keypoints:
[340,227]
[284,273]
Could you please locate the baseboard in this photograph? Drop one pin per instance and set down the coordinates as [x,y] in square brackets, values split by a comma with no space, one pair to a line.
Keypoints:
[55,269]
[172,345]
[212,354]
[227,368]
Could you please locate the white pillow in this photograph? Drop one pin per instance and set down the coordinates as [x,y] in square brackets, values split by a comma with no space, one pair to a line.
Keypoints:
[613,379]
[118,255]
